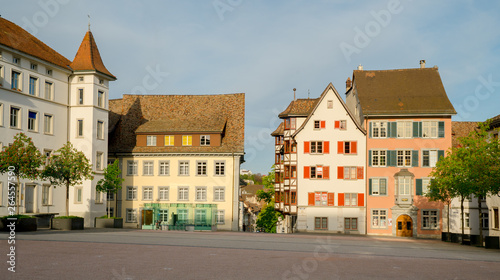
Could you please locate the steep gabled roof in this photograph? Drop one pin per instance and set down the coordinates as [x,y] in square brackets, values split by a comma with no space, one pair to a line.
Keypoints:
[13,36]
[279,131]
[177,113]
[88,58]
[402,92]
[299,108]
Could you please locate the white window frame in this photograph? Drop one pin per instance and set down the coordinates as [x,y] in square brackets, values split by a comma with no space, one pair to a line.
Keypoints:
[432,157]
[379,129]
[427,219]
[404,129]
[98,197]
[151,140]
[379,215]
[377,157]
[79,128]
[220,217]
[130,215]
[350,199]
[148,167]
[163,214]
[404,154]
[100,98]
[1,114]
[46,195]
[169,140]
[183,167]
[317,146]
[343,124]
[350,172]
[163,193]
[19,80]
[201,168]
[404,185]
[201,194]
[80,96]
[430,129]
[220,168]
[33,87]
[376,186]
[78,195]
[100,130]
[147,193]
[164,168]
[187,140]
[15,117]
[99,161]
[183,193]
[34,124]
[426,181]
[205,140]
[198,214]
[219,193]
[49,90]
[131,193]
[48,124]
[132,167]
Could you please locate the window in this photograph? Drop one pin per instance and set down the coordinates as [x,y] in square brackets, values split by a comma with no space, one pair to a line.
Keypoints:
[201,168]
[33,66]
[47,128]
[200,216]
[100,130]
[78,194]
[496,220]
[220,217]
[429,129]
[187,140]
[16,81]
[347,147]
[205,140]
[131,215]
[379,158]
[132,167]
[405,129]
[351,223]
[379,218]
[429,158]
[404,185]
[343,124]
[147,193]
[15,117]
[47,155]
[110,196]
[99,161]
[32,121]
[486,221]
[80,96]
[49,72]
[80,79]
[350,172]
[350,199]
[131,193]
[201,193]
[111,211]
[147,168]
[430,219]
[98,197]
[183,193]
[79,128]
[184,168]
[49,90]
[100,98]
[46,195]
[316,172]
[378,186]
[163,193]
[404,158]
[425,185]
[33,88]
[169,140]
[164,168]
[467,220]
[151,140]
[101,81]
[16,60]
[1,112]
[182,216]
[163,215]
[220,168]
[320,198]
[316,147]
[379,129]
[320,223]
[319,124]
[219,194]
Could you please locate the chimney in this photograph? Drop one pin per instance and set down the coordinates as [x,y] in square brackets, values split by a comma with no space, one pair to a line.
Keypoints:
[348,84]
[360,67]
[294,89]
[422,63]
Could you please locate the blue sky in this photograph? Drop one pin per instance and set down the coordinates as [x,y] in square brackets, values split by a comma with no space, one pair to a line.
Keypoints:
[267,48]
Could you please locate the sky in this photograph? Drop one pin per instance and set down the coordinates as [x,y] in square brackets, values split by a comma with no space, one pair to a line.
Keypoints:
[266,48]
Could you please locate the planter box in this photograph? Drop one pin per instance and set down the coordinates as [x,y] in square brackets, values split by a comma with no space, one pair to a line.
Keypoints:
[446,236]
[108,223]
[492,242]
[67,224]
[26,224]
[474,240]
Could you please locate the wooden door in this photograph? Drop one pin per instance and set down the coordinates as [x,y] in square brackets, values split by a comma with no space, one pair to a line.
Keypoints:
[28,201]
[404,226]
[147,217]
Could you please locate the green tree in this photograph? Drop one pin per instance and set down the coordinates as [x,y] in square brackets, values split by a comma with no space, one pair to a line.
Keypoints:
[24,158]
[67,167]
[112,182]
[268,217]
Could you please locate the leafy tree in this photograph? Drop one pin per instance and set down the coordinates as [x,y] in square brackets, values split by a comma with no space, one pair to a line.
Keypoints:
[112,182]
[67,167]
[268,217]
[25,158]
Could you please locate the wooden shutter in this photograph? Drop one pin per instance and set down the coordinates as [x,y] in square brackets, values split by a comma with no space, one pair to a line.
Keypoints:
[340,147]
[341,199]
[310,198]
[441,129]
[326,147]
[392,158]
[414,158]
[370,158]
[337,124]
[331,199]
[440,154]
[306,147]
[361,199]
[417,129]
[418,186]
[307,172]
[370,186]
[354,147]
[326,172]
[394,129]
[370,131]
[322,124]
[360,172]
[340,172]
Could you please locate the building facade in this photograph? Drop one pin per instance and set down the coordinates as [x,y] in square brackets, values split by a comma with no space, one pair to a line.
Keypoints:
[54,100]
[493,201]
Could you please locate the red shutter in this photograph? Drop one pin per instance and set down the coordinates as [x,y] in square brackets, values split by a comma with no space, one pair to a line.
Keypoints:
[310,198]
[323,124]
[354,148]
[341,199]
[306,147]
[326,147]
[337,124]
[331,199]
[326,172]
[307,172]
[340,172]
[361,199]
[360,172]
[340,147]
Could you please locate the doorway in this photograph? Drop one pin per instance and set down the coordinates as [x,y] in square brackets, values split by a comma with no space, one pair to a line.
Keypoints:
[147,219]
[404,226]
[28,200]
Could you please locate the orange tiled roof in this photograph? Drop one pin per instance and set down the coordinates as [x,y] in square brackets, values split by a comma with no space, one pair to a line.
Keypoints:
[461,129]
[88,57]
[279,131]
[13,36]
[299,107]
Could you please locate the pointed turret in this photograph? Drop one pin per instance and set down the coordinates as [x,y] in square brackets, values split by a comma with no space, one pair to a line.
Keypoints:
[88,58]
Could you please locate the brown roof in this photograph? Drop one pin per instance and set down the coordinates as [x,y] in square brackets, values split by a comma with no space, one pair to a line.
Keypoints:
[495,122]
[251,189]
[133,112]
[88,57]
[13,36]
[461,129]
[402,91]
[299,107]
[279,131]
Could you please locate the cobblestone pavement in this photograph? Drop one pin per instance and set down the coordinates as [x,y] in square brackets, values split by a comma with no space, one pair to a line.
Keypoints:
[139,254]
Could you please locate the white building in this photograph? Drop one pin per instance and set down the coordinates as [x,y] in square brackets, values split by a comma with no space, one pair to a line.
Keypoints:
[54,100]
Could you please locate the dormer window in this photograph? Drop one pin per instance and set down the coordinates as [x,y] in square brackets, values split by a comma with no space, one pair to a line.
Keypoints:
[49,72]
[16,60]
[151,140]
[33,66]
[187,140]
[205,140]
[169,140]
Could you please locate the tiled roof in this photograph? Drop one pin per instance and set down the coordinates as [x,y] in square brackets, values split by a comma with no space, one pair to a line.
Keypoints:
[299,107]
[88,57]
[402,91]
[133,111]
[13,36]
[251,189]
[495,122]
[188,124]
[279,131]
[461,129]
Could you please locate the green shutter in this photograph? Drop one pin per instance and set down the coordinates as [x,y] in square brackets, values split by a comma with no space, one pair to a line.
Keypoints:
[382,191]
[441,129]
[370,158]
[418,186]
[417,129]
[394,129]
[370,186]
[440,154]
[370,132]
[391,158]
[414,158]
